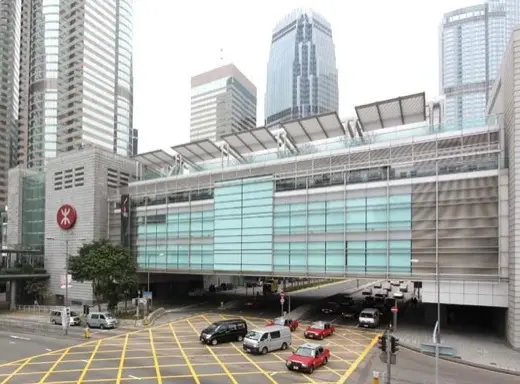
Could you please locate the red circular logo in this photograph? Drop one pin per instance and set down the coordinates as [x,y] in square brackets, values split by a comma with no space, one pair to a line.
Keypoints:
[66,216]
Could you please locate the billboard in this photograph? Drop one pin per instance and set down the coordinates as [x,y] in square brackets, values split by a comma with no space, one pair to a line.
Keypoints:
[125,220]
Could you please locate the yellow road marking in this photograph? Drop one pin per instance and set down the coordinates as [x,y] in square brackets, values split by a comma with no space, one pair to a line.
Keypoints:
[185,356]
[358,361]
[222,365]
[54,365]
[122,361]
[27,361]
[155,361]
[85,370]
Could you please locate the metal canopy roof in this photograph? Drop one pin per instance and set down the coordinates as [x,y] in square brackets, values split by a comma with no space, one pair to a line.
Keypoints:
[314,128]
[393,112]
[252,140]
[158,158]
[197,151]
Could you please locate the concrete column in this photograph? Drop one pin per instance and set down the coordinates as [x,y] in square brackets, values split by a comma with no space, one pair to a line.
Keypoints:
[12,290]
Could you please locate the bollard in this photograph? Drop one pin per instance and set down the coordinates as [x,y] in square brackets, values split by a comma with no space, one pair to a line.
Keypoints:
[86,332]
[375,377]
[221,304]
[145,321]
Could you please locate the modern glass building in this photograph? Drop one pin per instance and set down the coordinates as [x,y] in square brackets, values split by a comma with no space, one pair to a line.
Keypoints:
[302,78]
[76,77]
[316,197]
[473,40]
[223,101]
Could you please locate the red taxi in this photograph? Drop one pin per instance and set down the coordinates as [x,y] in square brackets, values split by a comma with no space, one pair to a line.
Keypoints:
[292,324]
[307,358]
[319,330]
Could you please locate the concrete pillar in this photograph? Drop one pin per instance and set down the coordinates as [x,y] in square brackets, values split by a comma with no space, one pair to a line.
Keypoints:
[12,289]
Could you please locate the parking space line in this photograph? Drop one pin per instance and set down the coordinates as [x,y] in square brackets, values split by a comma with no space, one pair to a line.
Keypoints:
[154,355]
[184,355]
[53,367]
[358,361]
[85,369]
[27,361]
[122,361]
[222,365]
[269,377]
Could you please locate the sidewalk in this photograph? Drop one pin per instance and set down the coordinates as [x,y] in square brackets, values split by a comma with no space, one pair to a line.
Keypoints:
[486,350]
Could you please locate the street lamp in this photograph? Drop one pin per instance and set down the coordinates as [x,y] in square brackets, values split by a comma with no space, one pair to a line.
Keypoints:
[437,329]
[66,274]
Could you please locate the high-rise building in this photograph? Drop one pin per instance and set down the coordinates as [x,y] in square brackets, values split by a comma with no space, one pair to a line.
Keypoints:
[135,142]
[302,78]
[76,77]
[472,43]
[223,101]
[10,19]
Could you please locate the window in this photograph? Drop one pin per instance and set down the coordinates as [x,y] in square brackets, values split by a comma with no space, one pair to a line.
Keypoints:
[264,337]
[241,326]
[275,335]
[232,327]
[94,317]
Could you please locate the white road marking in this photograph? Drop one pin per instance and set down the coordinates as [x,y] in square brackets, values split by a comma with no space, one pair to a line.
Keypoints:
[12,342]
[134,377]
[85,361]
[20,338]
[273,373]
[48,349]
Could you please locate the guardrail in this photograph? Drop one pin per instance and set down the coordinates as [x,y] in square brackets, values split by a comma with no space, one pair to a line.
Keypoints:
[37,309]
[444,350]
[154,316]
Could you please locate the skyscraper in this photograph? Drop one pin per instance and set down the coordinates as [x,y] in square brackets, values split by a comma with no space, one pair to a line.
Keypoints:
[472,43]
[302,78]
[10,19]
[223,101]
[76,77]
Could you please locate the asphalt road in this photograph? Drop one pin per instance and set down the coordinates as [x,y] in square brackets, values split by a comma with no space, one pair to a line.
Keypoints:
[328,290]
[16,346]
[416,368]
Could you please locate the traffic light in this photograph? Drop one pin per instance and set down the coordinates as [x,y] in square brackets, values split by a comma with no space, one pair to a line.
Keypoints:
[67,312]
[381,341]
[86,309]
[394,344]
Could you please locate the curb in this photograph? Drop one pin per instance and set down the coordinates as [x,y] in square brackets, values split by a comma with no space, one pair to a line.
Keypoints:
[464,362]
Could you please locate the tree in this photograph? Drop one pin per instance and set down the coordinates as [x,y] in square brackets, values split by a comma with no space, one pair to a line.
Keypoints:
[110,268]
[36,288]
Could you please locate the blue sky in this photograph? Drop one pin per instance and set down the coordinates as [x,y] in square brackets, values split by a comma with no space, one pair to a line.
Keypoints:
[384,49]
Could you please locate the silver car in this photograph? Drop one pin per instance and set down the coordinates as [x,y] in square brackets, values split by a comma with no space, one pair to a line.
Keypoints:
[101,320]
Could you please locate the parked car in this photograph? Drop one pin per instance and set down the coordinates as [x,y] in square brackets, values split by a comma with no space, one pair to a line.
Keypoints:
[224,331]
[387,286]
[268,339]
[378,285]
[308,357]
[403,287]
[331,308]
[319,330]
[56,318]
[398,295]
[395,283]
[367,292]
[381,293]
[289,323]
[100,320]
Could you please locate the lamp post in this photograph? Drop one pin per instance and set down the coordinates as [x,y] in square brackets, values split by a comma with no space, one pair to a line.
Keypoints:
[437,329]
[66,300]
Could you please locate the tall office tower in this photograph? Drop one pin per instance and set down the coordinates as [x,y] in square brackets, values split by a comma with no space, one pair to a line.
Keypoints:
[77,77]
[135,142]
[10,19]
[223,101]
[472,43]
[302,78]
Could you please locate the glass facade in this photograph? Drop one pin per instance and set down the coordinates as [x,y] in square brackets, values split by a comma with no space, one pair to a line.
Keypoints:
[473,40]
[302,78]
[33,210]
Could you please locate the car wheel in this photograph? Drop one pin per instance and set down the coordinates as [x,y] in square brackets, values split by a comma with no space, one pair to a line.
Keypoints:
[214,342]
[321,337]
[325,361]
[53,322]
[101,326]
[311,369]
[293,329]
[264,351]
[284,346]
[240,338]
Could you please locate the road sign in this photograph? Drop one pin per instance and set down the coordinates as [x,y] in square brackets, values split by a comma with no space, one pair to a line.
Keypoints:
[282,300]
[395,309]
[282,294]
[65,278]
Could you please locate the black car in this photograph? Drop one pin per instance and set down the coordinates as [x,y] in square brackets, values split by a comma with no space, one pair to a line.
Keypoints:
[224,331]
[331,308]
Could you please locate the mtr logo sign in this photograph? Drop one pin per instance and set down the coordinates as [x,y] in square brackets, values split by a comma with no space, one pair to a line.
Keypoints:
[66,216]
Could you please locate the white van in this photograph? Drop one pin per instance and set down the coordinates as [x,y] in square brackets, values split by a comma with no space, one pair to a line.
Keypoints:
[369,318]
[271,338]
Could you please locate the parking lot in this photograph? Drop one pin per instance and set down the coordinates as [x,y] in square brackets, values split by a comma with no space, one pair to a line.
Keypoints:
[172,353]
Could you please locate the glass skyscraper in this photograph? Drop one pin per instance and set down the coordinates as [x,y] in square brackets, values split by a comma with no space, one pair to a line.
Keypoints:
[302,78]
[472,42]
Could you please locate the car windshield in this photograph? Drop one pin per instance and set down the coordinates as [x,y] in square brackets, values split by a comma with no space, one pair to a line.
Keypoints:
[318,325]
[74,314]
[212,328]
[367,315]
[279,321]
[254,335]
[304,351]
[108,316]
